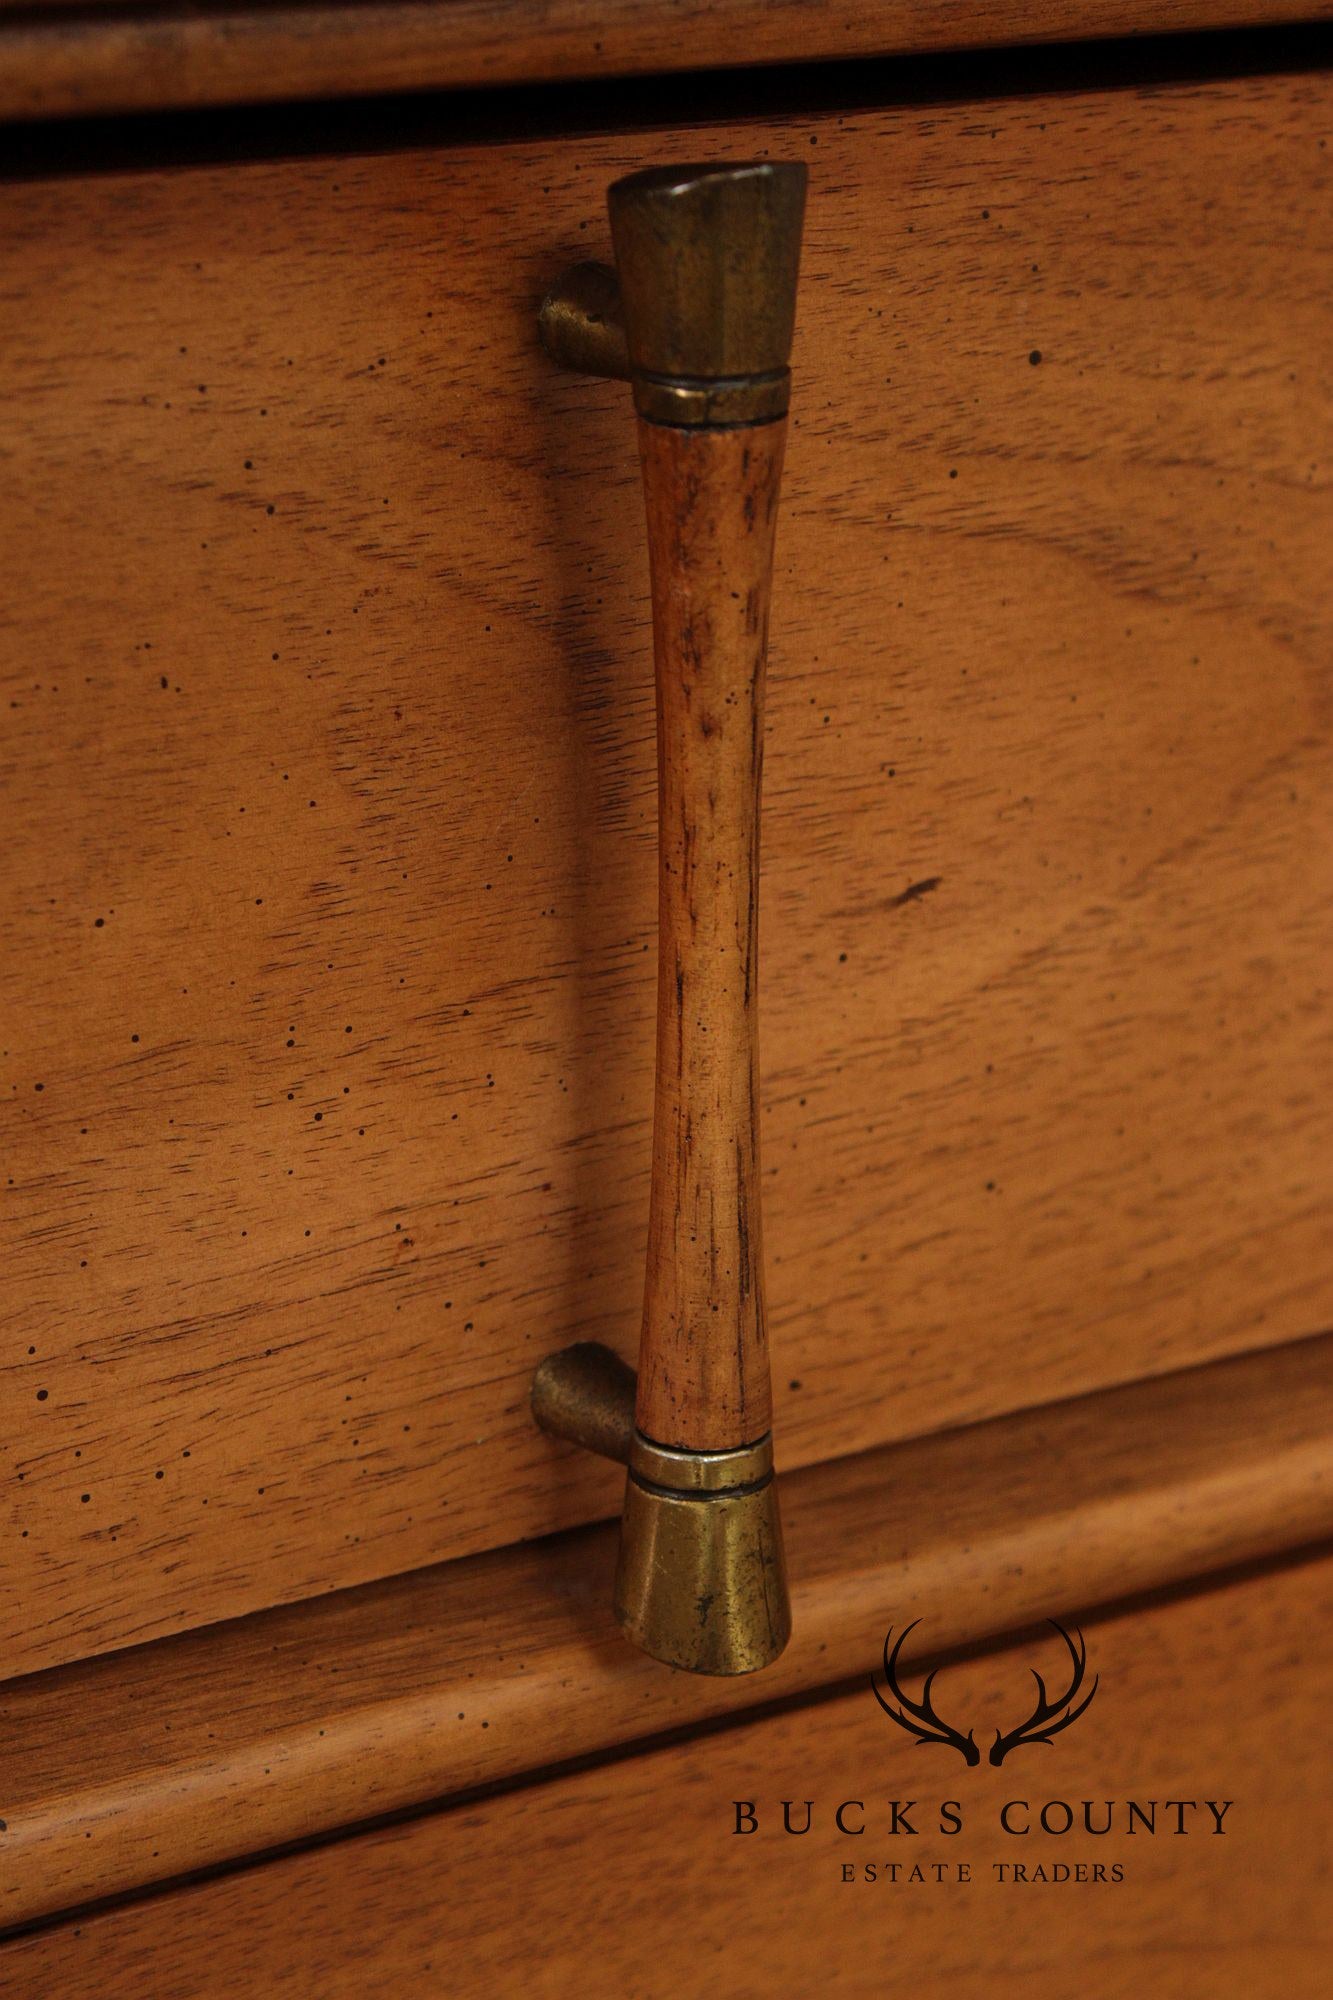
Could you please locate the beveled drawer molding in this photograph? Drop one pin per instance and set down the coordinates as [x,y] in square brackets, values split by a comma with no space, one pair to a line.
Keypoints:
[583,1887]
[336,969]
[123,55]
[143,1765]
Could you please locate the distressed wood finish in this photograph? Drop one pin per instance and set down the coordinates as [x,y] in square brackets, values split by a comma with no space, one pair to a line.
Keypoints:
[712,504]
[64,60]
[126,1770]
[335,970]
[629,1878]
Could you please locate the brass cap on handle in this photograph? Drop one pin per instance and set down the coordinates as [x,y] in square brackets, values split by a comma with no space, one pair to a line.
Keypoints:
[699,310]
[701,1582]
[701,1577]
[708,259]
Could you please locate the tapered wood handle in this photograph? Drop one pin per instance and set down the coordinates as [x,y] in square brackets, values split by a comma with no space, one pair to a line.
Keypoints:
[707,260]
[712,497]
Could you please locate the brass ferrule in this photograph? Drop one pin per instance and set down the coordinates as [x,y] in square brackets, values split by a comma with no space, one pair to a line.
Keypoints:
[699,311]
[701,1580]
[741,399]
[676,1470]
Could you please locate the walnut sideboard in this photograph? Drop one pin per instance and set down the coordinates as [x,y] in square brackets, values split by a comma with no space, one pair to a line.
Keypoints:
[330,966]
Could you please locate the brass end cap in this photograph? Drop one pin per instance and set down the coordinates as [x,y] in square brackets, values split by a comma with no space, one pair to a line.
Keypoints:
[708,258]
[701,1582]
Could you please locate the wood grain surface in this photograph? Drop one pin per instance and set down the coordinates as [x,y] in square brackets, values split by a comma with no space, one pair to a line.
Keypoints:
[66,58]
[629,1878]
[712,508]
[327,941]
[167,1758]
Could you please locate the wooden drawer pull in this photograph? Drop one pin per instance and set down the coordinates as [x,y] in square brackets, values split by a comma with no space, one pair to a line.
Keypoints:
[698,315]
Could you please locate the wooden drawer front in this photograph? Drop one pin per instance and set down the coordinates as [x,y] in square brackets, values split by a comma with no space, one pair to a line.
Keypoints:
[629,1879]
[328,943]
